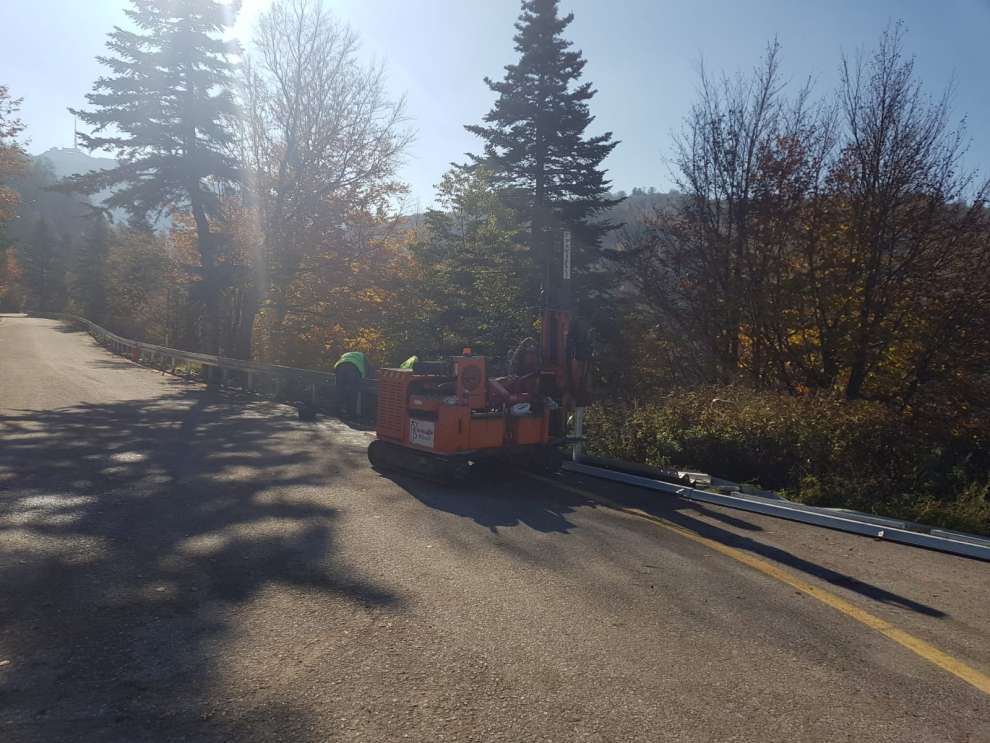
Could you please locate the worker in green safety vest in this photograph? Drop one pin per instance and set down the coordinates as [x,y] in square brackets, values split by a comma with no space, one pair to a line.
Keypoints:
[351,370]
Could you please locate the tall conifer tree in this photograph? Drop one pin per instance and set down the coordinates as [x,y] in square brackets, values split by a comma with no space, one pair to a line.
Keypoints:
[535,142]
[165,110]
[42,258]
[89,286]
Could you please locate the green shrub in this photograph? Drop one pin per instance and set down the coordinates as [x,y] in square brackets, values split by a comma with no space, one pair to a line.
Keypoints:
[969,511]
[818,450]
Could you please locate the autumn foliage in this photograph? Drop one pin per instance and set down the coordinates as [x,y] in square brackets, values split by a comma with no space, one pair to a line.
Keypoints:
[13,161]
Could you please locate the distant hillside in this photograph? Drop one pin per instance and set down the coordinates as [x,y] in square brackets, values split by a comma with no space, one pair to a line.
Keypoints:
[639,204]
[630,213]
[68,161]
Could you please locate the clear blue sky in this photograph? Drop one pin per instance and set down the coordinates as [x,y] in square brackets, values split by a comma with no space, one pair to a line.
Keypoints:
[642,56]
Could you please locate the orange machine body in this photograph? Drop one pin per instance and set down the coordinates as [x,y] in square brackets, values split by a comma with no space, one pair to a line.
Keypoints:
[440,417]
[456,413]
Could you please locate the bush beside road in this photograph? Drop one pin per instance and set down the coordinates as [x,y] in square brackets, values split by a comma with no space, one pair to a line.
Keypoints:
[818,450]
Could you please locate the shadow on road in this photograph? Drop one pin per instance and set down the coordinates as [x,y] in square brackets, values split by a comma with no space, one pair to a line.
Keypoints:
[129,533]
[679,511]
[68,326]
[490,500]
[500,499]
[111,363]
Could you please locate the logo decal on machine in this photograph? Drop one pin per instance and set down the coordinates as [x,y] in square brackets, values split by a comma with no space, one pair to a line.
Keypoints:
[421,433]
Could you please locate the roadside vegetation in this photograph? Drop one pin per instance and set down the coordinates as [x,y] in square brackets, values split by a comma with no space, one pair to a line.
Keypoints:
[819,450]
[809,309]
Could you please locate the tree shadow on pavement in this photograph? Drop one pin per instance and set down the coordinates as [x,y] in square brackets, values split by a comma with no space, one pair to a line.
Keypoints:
[679,511]
[130,534]
[112,363]
[486,500]
[68,326]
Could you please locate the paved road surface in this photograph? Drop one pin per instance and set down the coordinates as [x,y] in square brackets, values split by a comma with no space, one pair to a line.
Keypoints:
[175,566]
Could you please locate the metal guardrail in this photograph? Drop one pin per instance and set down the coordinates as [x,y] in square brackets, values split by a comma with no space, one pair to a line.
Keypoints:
[943,540]
[280,382]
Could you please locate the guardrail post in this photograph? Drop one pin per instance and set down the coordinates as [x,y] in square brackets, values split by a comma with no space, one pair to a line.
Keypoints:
[578,433]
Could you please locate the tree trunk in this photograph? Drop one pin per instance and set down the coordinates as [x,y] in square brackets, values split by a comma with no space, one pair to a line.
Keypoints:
[211,294]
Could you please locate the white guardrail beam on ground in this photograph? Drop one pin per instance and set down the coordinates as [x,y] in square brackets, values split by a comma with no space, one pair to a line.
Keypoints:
[958,543]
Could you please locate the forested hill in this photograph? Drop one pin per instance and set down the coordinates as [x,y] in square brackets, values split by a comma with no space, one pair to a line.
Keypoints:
[635,210]
[630,213]
[68,161]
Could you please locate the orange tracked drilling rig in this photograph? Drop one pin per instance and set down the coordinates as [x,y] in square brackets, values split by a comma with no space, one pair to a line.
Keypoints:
[440,417]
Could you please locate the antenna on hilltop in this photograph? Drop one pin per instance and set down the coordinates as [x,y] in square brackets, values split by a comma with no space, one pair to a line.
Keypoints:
[75,133]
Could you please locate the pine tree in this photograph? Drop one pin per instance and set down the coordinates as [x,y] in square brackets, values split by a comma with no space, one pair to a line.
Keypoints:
[535,142]
[89,280]
[165,109]
[475,271]
[42,260]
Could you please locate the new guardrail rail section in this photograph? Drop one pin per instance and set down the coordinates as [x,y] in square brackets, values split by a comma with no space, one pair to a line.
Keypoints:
[854,522]
[317,388]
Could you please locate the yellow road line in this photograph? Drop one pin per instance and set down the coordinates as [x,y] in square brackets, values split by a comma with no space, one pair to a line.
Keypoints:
[916,645]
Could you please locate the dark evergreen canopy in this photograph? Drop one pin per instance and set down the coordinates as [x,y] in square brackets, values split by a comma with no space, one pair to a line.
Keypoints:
[535,143]
[164,109]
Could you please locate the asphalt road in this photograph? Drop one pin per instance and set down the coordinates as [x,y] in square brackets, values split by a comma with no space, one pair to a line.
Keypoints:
[179,566]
